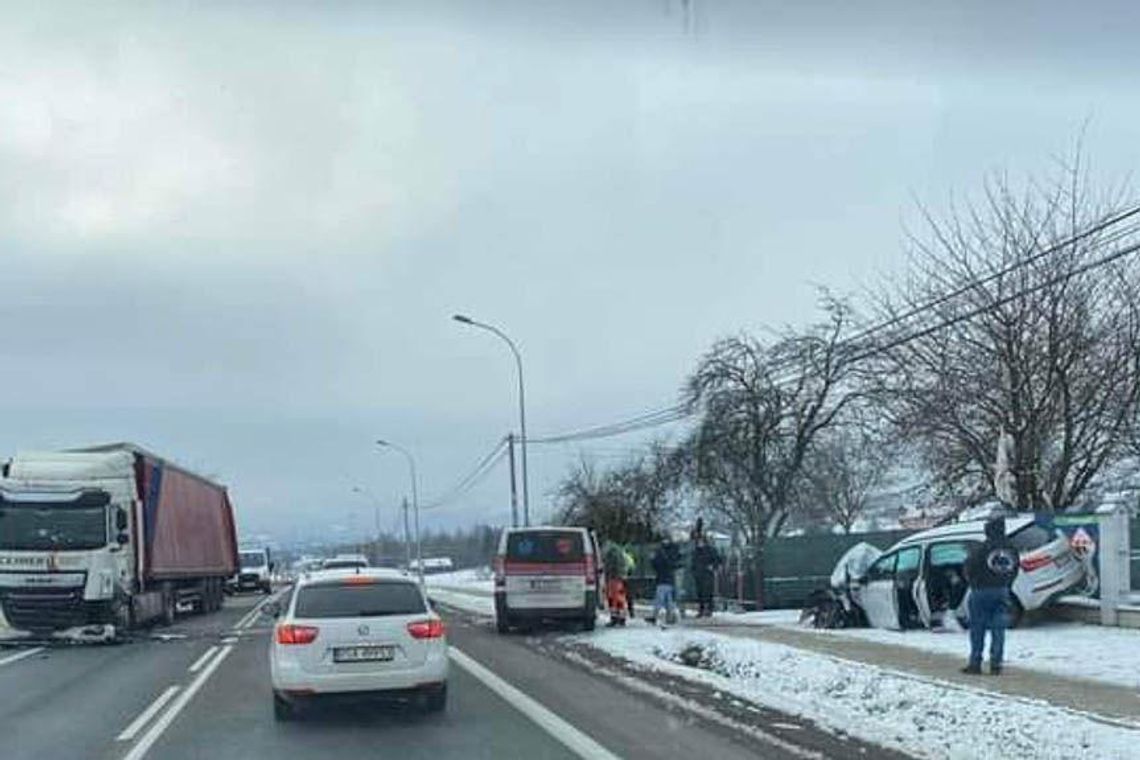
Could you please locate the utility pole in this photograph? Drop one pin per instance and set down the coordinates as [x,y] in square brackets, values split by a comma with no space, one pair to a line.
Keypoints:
[514,493]
[407,539]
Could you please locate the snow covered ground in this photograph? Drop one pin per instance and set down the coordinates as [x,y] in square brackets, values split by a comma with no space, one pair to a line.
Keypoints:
[927,718]
[1076,650]
[479,604]
[476,579]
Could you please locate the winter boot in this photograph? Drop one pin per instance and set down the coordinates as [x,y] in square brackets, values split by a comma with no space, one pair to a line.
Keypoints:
[973,669]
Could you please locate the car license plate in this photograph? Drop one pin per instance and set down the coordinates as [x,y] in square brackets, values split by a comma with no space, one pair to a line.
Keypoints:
[363,654]
[545,584]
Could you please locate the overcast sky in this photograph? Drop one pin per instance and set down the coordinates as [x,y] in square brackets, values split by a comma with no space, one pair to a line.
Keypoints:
[235,233]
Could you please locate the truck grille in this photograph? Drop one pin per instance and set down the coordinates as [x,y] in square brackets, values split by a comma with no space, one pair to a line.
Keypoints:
[44,609]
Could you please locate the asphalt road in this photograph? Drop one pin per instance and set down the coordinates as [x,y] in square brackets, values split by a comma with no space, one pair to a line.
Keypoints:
[201,691]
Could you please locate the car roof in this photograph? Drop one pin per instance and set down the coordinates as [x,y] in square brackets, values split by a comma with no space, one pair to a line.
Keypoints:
[965,529]
[375,573]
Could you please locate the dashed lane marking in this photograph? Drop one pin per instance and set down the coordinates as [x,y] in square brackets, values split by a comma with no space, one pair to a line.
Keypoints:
[145,716]
[202,660]
[20,656]
[154,733]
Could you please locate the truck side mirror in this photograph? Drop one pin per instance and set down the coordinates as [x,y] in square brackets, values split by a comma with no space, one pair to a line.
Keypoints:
[120,520]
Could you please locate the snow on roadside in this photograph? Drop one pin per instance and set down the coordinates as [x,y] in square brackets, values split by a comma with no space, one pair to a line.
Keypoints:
[763,617]
[1057,648]
[926,718]
[474,578]
[477,604]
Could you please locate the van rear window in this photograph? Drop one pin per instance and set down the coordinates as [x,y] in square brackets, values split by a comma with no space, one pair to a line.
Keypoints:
[545,546]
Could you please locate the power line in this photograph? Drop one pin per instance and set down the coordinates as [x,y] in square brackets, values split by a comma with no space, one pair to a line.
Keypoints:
[644,421]
[1089,266]
[475,476]
[962,290]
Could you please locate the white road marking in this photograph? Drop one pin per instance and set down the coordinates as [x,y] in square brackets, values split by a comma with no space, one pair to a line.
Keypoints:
[202,660]
[573,739]
[159,726]
[144,717]
[20,655]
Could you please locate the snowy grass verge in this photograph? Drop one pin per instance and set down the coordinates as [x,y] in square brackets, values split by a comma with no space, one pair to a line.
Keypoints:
[476,604]
[926,718]
[1058,648]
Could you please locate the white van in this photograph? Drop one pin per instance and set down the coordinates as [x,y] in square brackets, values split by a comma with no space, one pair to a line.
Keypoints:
[547,573]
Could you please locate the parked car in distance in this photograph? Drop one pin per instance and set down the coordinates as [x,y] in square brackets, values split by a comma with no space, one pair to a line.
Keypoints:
[359,634]
[547,573]
[920,580]
[345,562]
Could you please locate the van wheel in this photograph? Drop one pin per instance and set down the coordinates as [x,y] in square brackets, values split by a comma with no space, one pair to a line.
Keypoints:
[589,622]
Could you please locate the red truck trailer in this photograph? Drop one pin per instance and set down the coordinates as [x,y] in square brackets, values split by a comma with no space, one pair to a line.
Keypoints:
[109,536]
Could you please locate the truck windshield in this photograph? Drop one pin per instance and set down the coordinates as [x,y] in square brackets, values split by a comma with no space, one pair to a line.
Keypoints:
[252,559]
[48,527]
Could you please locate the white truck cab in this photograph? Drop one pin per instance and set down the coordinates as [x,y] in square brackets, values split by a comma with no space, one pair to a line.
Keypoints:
[255,572]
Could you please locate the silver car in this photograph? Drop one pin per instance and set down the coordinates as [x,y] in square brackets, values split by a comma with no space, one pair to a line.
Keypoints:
[920,580]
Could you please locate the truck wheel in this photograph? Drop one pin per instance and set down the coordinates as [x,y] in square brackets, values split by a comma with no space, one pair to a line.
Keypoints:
[169,608]
[503,624]
[122,618]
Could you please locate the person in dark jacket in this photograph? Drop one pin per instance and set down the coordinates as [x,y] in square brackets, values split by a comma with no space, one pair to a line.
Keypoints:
[665,562]
[990,570]
[704,562]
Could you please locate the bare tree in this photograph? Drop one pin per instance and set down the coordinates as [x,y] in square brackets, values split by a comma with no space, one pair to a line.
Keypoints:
[1044,344]
[762,407]
[841,474]
[628,503]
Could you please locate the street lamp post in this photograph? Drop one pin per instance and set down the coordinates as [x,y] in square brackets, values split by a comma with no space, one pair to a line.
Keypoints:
[375,515]
[415,500]
[463,319]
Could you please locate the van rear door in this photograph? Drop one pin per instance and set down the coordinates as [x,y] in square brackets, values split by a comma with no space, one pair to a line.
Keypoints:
[545,569]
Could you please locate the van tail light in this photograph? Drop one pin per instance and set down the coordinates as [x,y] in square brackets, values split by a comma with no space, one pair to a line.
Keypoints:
[1032,562]
[287,633]
[498,566]
[426,629]
[591,571]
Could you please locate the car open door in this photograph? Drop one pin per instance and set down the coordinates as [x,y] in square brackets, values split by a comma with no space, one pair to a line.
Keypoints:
[877,596]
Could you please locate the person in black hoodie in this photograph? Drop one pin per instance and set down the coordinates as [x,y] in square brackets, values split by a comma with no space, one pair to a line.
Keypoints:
[990,569]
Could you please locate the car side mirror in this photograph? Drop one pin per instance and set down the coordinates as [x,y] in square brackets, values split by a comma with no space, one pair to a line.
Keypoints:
[120,520]
[123,539]
[271,609]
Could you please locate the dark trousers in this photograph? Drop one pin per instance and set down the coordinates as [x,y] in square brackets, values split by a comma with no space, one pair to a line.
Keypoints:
[704,583]
[989,610]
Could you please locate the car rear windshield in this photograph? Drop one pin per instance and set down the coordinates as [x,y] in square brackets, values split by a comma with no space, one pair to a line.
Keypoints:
[350,598]
[1030,537]
[545,546]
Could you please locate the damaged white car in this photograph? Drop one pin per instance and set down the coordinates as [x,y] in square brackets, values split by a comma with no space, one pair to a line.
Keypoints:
[919,582]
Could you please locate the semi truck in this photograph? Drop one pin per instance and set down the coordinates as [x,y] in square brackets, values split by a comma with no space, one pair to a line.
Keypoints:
[97,541]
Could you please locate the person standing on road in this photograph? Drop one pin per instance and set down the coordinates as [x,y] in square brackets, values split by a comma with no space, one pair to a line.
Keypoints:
[665,562]
[705,561]
[990,570]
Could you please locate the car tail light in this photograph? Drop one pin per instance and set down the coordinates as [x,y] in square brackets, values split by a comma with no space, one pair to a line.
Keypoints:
[426,629]
[591,571]
[287,633]
[1033,562]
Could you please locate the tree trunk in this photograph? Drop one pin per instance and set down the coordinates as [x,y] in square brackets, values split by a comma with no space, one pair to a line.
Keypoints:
[758,575]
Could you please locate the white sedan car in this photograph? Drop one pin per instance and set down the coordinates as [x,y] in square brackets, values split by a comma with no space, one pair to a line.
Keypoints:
[357,634]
